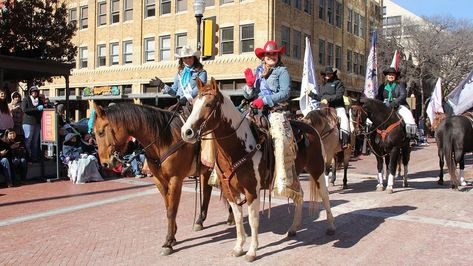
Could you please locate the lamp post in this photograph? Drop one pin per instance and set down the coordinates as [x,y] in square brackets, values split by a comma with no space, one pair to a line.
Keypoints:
[199,7]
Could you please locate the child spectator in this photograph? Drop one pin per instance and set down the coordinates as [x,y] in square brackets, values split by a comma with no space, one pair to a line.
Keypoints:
[16,154]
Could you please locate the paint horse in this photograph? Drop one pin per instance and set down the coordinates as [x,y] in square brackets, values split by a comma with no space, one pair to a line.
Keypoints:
[169,158]
[387,138]
[241,165]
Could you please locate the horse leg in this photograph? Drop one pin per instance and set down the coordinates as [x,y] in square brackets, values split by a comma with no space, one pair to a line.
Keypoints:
[231,217]
[173,197]
[206,193]
[253,217]
[240,230]
[399,176]
[328,168]
[462,171]
[441,163]
[392,169]
[296,222]
[380,164]
[323,192]
[346,161]
[334,170]
[405,153]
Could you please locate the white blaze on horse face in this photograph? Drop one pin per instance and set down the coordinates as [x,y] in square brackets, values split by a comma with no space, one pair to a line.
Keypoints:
[194,116]
[231,114]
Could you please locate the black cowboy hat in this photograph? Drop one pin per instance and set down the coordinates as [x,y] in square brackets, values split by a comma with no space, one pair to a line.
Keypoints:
[391,70]
[328,70]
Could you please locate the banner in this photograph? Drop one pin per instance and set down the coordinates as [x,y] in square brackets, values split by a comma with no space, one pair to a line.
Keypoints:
[435,104]
[395,62]
[461,98]
[48,126]
[309,83]
[371,77]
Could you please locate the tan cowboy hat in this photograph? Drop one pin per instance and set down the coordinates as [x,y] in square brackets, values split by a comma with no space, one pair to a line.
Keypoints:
[269,47]
[187,51]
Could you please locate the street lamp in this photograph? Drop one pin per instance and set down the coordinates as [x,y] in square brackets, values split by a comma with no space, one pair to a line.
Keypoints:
[199,7]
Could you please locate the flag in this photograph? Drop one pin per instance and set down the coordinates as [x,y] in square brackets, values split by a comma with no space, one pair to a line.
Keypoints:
[371,78]
[461,98]
[435,104]
[395,62]
[309,82]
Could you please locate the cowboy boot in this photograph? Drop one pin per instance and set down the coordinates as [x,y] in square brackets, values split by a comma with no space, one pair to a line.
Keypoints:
[345,140]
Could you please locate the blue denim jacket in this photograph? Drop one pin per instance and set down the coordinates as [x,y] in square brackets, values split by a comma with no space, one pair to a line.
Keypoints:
[176,88]
[278,83]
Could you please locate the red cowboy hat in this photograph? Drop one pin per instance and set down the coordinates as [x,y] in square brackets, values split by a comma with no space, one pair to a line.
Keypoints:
[269,47]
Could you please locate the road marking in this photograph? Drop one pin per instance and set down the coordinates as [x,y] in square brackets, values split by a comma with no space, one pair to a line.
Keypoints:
[274,201]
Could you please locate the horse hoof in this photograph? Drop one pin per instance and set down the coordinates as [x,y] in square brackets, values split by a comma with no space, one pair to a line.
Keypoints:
[440,182]
[330,232]
[379,188]
[198,227]
[249,258]
[389,190]
[238,253]
[345,186]
[463,184]
[406,184]
[332,184]
[166,251]
[231,222]
[291,233]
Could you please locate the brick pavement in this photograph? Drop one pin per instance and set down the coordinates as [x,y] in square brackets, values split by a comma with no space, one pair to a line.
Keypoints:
[123,222]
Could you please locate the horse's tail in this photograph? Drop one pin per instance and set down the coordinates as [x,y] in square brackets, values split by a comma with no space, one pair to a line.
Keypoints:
[450,159]
[315,197]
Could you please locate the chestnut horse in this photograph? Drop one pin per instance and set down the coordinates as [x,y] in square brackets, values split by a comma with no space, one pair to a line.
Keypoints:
[387,138]
[324,120]
[169,158]
[241,165]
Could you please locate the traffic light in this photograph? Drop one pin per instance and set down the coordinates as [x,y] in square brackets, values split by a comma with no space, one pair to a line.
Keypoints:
[210,38]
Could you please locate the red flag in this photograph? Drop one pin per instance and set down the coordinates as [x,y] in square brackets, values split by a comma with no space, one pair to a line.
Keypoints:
[395,62]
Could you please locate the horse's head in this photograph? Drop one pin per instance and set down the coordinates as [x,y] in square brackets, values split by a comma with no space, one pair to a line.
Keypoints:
[205,111]
[112,140]
[358,117]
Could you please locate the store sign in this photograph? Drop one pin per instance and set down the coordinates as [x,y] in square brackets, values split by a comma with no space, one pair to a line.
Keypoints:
[102,90]
[48,126]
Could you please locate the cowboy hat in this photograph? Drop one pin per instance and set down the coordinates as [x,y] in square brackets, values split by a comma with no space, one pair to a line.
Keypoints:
[269,47]
[33,88]
[187,51]
[328,70]
[391,70]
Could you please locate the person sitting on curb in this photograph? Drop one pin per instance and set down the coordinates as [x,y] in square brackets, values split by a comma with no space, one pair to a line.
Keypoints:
[16,154]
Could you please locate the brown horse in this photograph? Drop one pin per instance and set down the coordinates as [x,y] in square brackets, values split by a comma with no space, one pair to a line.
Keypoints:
[325,122]
[241,165]
[169,158]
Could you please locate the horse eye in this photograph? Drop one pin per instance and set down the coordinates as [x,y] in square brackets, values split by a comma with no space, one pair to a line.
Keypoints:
[208,105]
[101,133]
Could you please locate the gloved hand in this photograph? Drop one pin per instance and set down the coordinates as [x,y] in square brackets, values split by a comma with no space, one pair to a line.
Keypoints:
[157,82]
[250,77]
[314,96]
[394,104]
[258,103]
[40,107]
[324,101]
[182,100]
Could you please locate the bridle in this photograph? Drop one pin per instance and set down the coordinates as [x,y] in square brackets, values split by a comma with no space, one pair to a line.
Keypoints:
[364,129]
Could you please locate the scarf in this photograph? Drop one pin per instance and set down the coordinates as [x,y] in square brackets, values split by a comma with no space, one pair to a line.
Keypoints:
[34,101]
[185,76]
[389,88]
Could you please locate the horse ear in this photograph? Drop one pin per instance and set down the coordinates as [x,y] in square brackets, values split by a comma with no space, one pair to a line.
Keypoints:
[199,83]
[99,112]
[214,84]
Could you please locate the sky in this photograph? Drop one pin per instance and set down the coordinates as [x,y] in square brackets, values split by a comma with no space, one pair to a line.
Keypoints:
[455,8]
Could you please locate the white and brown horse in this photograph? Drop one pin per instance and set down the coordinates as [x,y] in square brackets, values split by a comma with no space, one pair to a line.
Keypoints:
[241,164]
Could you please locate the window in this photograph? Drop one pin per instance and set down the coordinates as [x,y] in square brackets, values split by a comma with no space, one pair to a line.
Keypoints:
[338,14]
[356,57]
[114,54]
[225,1]
[73,15]
[149,50]
[338,56]
[349,60]
[181,40]
[101,55]
[209,3]
[127,10]
[127,52]
[226,43]
[288,2]
[384,11]
[165,48]
[102,14]
[349,21]
[362,27]
[165,7]
[322,9]
[285,39]
[330,54]
[83,55]
[114,11]
[298,4]
[150,8]
[84,17]
[296,48]
[356,24]
[247,38]
[308,6]
[322,52]
[330,7]
[394,20]
[362,64]
[181,5]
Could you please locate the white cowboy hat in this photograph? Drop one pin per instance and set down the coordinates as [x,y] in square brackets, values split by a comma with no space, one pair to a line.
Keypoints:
[187,51]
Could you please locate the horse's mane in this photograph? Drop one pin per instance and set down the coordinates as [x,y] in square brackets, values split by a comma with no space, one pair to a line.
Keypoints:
[376,107]
[325,115]
[142,117]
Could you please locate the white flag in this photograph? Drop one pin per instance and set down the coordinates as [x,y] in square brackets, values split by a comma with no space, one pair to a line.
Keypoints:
[309,82]
[371,78]
[435,104]
[461,98]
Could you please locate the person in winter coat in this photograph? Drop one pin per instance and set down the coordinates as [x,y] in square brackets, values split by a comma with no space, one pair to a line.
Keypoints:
[17,115]
[32,107]
[6,120]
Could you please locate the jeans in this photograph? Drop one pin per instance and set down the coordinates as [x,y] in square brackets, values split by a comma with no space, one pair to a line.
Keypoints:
[22,165]
[32,140]
[137,163]
[6,170]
